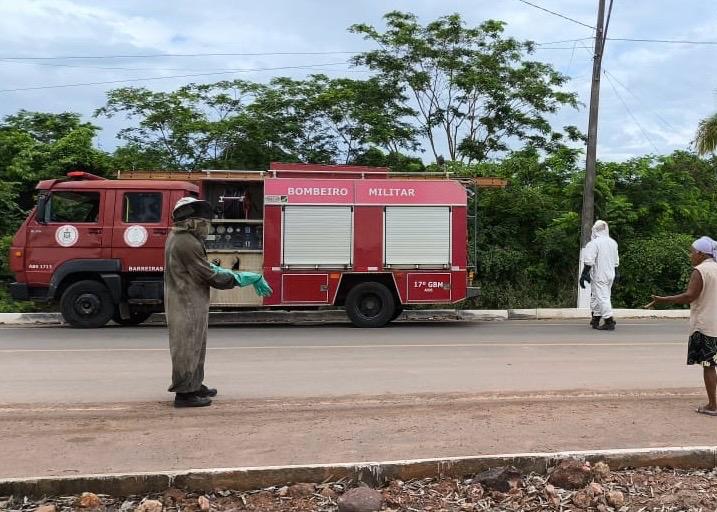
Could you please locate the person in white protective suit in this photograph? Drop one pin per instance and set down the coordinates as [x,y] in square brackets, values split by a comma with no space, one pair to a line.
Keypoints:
[600,260]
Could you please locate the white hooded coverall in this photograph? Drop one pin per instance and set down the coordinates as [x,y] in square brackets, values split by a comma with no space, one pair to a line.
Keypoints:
[602,255]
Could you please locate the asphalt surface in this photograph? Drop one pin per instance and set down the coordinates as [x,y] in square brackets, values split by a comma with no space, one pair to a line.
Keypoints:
[95,401]
[64,365]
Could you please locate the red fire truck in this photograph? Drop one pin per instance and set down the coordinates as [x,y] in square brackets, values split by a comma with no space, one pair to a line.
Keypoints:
[358,237]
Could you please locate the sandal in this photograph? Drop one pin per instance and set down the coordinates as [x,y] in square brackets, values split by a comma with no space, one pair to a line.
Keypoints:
[704,410]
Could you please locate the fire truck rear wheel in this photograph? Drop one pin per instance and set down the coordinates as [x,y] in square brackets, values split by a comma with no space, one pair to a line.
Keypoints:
[87,305]
[370,305]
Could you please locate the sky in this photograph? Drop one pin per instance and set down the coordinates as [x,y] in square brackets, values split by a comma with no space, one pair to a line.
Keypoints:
[652,96]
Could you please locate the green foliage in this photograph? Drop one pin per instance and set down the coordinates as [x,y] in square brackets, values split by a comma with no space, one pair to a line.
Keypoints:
[706,138]
[528,233]
[471,89]
[239,124]
[36,146]
[658,265]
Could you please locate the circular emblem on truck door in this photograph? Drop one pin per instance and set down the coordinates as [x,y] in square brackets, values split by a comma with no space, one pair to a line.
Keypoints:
[67,235]
[135,236]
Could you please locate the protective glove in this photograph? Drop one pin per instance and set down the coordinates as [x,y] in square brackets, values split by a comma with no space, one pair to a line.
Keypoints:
[585,276]
[617,276]
[261,287]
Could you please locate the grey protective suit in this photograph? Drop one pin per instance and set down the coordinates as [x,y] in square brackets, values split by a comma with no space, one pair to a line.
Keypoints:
[187,280]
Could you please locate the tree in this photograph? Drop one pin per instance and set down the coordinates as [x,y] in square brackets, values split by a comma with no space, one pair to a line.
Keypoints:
[39,145]
[706,138]
[181,129]
[324,120]
[360,113]
[472,90]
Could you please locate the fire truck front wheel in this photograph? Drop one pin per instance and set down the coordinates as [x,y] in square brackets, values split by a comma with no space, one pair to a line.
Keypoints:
[87,304]
[370,305]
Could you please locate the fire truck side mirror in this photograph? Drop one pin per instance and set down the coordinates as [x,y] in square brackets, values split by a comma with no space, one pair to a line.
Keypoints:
[41,208]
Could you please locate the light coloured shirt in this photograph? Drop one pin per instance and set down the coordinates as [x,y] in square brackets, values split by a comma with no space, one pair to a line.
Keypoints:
[703,311]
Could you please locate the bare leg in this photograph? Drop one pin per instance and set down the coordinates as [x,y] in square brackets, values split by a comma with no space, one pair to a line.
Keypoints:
[711,386]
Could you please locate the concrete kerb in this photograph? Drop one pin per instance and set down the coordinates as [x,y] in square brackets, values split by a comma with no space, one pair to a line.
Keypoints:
[339,316]
[371,473]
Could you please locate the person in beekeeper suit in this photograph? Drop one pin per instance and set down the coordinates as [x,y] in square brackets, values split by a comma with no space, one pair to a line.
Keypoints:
[600,262]
[188,277]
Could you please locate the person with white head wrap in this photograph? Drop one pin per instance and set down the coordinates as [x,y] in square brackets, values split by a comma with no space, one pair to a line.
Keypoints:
[600,262]
[701,295]
[188,276]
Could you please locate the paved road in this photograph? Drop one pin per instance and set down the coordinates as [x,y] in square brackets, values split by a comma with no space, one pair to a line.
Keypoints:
[132,364]
[95,401]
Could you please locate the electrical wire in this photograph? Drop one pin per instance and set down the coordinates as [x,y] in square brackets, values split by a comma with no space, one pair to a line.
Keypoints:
[108,82]
[557,14]
[627,108]
[663,41]
[157,55]
[658,116]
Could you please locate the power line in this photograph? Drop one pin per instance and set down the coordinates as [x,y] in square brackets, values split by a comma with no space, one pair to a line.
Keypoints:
[107,82]
[565,41]
[624,104]
[109,68]
[657,115]
[557,14]
[663,41]
[159,55]
[212,54]
[543,45]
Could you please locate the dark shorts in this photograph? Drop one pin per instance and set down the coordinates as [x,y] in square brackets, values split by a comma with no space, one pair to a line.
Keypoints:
[702,350]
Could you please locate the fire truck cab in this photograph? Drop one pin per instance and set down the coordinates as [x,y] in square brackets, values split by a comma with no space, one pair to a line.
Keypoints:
[356,237]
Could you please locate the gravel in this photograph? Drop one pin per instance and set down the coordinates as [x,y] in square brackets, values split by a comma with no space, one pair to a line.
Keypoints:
[641,490]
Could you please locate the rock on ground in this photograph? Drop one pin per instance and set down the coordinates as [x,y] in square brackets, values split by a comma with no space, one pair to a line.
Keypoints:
[615,499]
[582,499]
[149,506]
[571,474]
[204,504]
[46,508]
[601,472]
[89,500]
[361,499]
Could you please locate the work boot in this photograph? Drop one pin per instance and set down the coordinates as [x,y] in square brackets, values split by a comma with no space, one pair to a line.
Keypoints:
[191,400]
[608,325]
[595,322]
[206,392]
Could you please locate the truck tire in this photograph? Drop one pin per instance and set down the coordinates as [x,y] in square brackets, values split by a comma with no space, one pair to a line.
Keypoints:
[135,317]
[370,305]
[397,313]
[87,305]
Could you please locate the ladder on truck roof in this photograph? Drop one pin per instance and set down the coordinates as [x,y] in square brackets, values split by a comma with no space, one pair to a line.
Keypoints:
[281,170]
[307,170]
[220,174]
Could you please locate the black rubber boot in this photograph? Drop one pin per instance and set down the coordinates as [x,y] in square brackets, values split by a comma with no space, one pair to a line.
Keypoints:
[595,322]
[608,325]
[191,400]
[206,392]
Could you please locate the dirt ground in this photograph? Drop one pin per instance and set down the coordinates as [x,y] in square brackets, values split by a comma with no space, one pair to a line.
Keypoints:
[651,489]
[57,439]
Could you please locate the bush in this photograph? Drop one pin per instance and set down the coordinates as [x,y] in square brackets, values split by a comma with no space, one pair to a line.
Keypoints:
[658,265]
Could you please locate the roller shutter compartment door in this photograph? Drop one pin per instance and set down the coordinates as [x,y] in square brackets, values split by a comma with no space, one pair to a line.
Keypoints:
[317,235]
[418,235]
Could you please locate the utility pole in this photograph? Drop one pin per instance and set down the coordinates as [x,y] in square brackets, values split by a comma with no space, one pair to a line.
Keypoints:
[588,212]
